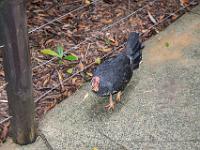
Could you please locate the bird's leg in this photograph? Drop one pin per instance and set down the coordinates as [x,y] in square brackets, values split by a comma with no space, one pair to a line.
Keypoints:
[118,96]
[111,104]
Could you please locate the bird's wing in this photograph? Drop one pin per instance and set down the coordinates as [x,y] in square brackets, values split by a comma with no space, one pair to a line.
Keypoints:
[114,73]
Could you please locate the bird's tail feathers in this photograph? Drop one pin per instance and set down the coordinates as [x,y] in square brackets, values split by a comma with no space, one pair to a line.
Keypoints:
[134,49]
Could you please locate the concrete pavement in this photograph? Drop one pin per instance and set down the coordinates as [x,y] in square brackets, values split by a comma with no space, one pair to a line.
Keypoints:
[160,109]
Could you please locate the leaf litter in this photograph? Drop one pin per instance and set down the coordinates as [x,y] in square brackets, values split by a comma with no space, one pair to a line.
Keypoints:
[88,26]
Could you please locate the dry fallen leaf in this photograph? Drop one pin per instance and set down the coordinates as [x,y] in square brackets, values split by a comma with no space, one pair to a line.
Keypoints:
[60,77]
[106,21]
[4,132]
[174,17]
[152,18]
[185,2]
[119,12]
[72,30]
[89,74]
[74,80]
[80,66]
[87,2]
[113,41]
[46,81]
[105,49]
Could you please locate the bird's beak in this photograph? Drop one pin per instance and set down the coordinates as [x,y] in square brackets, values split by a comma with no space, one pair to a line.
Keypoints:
[95,88]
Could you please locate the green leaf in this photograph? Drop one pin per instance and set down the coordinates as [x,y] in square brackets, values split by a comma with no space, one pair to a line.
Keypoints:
[60,61]
[71,57]
[60,51]
[69,71]
[98,60]
[107,42]
[49,52]
[166,44]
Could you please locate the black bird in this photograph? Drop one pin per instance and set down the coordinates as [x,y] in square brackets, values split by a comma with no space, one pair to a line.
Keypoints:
[112,75]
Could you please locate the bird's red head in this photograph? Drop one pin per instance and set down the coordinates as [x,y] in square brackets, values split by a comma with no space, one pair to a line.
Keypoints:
[95,83]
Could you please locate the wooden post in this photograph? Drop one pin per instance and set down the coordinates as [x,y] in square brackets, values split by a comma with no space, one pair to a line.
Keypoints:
[17,67]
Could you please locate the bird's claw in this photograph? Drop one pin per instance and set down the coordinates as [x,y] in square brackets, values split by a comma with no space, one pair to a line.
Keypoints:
[110,106]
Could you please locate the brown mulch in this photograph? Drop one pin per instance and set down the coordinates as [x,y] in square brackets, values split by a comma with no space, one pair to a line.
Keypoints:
[85,26]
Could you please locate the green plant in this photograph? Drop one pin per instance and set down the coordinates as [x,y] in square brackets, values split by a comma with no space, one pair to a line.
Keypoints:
[98,60]
[167,44]
[71,57]
[69,71]
[107,41]
[59,54]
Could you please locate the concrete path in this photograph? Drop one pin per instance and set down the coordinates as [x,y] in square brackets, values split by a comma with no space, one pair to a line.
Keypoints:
[160,109]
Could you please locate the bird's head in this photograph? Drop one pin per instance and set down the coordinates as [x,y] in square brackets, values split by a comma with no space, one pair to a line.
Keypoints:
[95,83]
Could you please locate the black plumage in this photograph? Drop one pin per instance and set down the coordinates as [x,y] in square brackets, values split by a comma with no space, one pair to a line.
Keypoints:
[116,72]
[113,78]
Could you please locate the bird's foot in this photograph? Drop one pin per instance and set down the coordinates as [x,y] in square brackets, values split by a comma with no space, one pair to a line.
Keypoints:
[118,97]
[111,104]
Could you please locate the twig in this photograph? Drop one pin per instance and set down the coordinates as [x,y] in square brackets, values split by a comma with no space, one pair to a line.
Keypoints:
[43,95]
[3,86]
[6,119]
[59,18]
[43,137]
[88,66]
[103,29]
[3,101]
[131,14]
[88,47]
